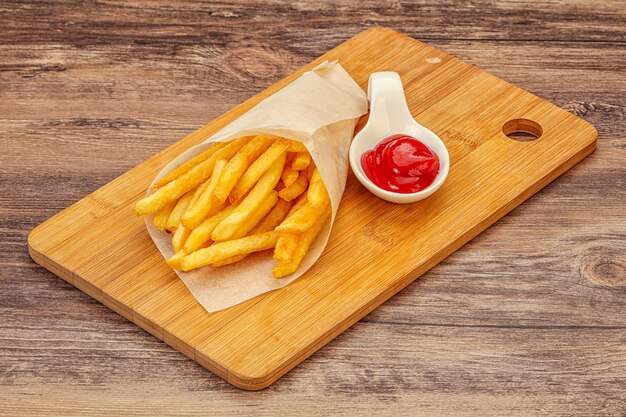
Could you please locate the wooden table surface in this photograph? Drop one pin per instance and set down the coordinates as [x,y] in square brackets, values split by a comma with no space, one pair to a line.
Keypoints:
[527,319]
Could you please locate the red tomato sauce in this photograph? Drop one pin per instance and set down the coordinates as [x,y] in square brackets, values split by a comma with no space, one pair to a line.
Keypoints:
[401,164]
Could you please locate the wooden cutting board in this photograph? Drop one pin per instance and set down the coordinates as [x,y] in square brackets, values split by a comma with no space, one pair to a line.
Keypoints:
[375,249]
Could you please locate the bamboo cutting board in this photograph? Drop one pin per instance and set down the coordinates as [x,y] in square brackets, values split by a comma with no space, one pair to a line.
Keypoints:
[375,249]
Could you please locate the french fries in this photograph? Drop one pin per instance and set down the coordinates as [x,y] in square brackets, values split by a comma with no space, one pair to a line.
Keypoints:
[301,161]
[237,166]
[228,227]
[289,175]
[205,203]
[295,189]
[252,194]
[308,172]
[265,207]
[317,194]
[302,219]
[202,234]
[161,216]
[187,181]
[273,219]
[285,247]
[172,175]
[222,250]
[179,209]
[304,244]
[258,168]
[176,261]
[180,236]
[296,147]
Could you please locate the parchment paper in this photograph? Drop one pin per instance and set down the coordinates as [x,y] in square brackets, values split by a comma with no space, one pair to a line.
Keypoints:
[320,109]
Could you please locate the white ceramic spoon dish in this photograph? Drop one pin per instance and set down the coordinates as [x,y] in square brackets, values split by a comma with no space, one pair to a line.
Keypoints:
[390,115]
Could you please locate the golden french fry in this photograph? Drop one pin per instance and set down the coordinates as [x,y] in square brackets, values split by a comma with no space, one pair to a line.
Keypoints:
[229,261]
[200,190]
[174,219]
[289,175]
[302,219]
[301,161]
[304,244]
[187,181]
[161,216]
[294,190]
[202,234]
[268,223]
[263,188]
[239,163]
[296,146]
[205,204]
[222,250]
[180,236]
[172,175]
[317,194]
[297,204]
[256,169]
[308,172]
[255,218]
[274,217]
[176,261]
[285,247]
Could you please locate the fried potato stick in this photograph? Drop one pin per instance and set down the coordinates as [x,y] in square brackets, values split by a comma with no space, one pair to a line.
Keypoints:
[285,247]
[308,172]
[295,189]
[239,163]
[266,206]
[317,194]
[180,236]
[200,189]
[289,175]
[268,223]
[256,169]
[172,175]
[296,147]
[202,234]
[263,188]
[302,219]
[176,260]
[161,216]
[205,204]
[301,161]
[222,250]
[228,261]
[187,181]
[174,220]
[304,244]
[298,202]
[274,217]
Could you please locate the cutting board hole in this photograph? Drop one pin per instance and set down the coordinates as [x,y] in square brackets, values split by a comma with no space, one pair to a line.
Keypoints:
[522,130]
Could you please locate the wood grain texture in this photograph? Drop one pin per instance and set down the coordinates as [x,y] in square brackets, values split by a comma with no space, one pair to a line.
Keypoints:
[101,91]
[99,247]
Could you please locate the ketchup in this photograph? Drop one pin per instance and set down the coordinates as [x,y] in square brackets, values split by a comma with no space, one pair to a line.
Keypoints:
[401,164]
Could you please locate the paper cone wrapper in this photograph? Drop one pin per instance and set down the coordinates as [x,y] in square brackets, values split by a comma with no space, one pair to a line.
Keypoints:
[319,109]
